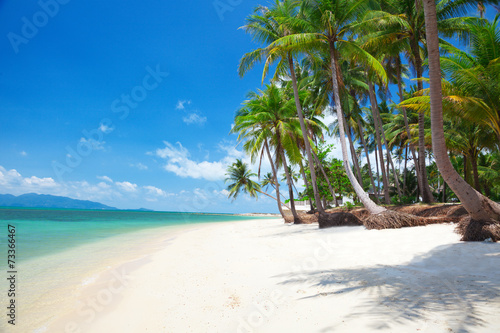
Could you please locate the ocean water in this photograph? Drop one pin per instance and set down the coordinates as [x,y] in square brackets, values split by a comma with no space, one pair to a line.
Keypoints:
[44,231]
[60,253]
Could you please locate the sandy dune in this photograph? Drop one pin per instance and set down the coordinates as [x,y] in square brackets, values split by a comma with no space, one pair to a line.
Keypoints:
[264,276]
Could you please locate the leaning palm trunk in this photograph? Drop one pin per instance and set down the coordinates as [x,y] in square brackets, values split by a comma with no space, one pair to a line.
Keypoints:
[275,176]
[484,213]
[296,218]
[371,206]
[305,135]
[353,151]
[375,190]
[373,102]
[270,196]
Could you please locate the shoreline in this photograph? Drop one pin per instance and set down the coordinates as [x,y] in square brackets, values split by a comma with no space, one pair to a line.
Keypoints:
[266,276]
[55,284]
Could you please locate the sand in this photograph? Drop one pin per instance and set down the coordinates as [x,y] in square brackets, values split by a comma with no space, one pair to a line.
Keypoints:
[265,276]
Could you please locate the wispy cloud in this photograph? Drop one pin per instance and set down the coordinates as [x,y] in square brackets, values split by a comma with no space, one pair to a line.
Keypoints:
[105,128]
[127,186]
[155,191]
[181,103]
[23,153]
[105,178]
[139,166]
[194,118]
[96,145]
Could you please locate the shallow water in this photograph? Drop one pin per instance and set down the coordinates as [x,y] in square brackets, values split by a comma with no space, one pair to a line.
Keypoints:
[61,252]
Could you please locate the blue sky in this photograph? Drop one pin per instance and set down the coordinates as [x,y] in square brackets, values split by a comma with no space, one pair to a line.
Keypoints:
[123,102]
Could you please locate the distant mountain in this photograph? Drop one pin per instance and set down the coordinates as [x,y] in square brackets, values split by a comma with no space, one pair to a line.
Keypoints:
[49,201]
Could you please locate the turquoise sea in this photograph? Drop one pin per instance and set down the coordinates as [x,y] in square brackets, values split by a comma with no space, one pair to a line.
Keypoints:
[61,253]
[44,231]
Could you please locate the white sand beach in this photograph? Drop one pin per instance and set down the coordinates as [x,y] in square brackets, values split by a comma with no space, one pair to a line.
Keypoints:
[264,276]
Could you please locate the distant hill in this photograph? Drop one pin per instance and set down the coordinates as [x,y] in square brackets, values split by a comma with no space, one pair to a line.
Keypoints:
[34,200]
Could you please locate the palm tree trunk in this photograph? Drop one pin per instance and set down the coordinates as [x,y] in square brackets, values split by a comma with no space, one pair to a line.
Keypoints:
[330,188]
[466,169]
[353,152]
[362,136]
[306,182]
[305,134]
[378,173]
[275,175]
[444,191]
[407,126]
[425,190]
[373,102]
[478,206]
[475,173]
[270,196]
[389,158]
[296,218]
[371,206]
[405,169]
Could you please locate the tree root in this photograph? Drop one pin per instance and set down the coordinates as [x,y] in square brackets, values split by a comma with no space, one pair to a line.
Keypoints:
[477,230]
[337,219]
[390,219]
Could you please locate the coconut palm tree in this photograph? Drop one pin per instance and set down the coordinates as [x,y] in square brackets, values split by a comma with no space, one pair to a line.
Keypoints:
[400,28]
[239,176]
[269,117]
[475,75]
[329,24]
[483,211]
[266,26]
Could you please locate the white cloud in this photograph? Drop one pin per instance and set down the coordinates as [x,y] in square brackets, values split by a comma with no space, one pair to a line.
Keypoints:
[125,194]
[180,104]
[105,128]
[155,191]
[23,153]
[96,145]
[194,118]
[12,182]
[105,178]
[41,182]
[139,166]
[179,162]
[127,186]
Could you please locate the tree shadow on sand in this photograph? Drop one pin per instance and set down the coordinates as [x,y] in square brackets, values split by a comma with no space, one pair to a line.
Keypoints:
[453,285]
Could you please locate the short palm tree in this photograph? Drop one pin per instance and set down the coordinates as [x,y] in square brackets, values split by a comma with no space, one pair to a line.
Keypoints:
[239,176]
[266,121]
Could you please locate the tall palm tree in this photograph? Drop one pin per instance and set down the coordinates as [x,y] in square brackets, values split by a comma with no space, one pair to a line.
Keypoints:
[329,24]
[401,28]
[266,27]
[481,209]
[475,75]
